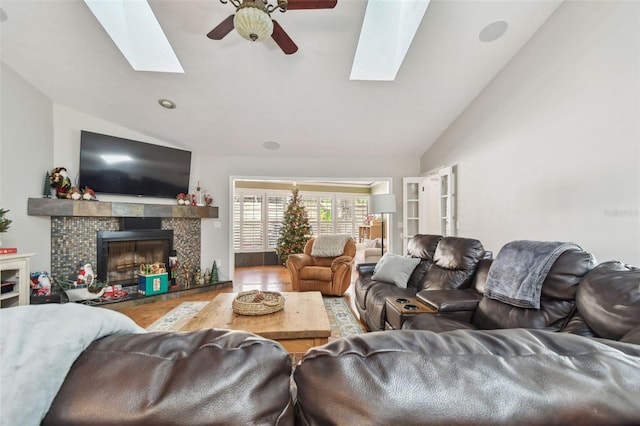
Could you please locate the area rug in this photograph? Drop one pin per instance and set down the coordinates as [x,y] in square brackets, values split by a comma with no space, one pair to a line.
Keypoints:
[341,318]
[177,317]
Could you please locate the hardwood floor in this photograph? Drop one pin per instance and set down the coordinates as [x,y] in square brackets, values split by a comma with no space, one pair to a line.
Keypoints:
[269,278]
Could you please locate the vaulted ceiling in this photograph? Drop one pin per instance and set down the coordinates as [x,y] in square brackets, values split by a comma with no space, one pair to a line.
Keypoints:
[235,95]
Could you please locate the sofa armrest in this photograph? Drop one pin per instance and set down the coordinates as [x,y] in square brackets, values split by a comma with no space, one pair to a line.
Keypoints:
[451,300]
[299,260]
[366,268]
[341,260]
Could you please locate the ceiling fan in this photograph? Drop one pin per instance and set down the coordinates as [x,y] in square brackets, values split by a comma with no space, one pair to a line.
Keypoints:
[253,20]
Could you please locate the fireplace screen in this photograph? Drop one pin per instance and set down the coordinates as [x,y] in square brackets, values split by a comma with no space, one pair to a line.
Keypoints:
[120,253]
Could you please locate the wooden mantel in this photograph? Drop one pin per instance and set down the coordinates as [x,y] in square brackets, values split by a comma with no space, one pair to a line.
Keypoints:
[57,207]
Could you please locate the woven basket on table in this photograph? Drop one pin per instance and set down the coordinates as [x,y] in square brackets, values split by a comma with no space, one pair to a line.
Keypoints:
[246,302]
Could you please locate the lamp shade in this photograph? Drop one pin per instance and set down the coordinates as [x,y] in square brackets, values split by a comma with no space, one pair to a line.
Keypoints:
[383,203]
[253,24]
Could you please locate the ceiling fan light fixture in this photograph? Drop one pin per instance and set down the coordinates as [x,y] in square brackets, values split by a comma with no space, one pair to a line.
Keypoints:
[253,22]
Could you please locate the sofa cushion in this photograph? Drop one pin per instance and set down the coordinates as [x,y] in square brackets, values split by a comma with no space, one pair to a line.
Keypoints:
[609,299]
[557,298]
[468,377]
[454,264]
[423,246]
[395,269]
[417,276]
[204,377]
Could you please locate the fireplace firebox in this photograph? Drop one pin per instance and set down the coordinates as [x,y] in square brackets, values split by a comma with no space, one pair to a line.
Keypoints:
[120,253]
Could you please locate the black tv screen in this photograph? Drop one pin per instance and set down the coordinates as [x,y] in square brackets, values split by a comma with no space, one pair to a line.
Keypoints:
[113,165]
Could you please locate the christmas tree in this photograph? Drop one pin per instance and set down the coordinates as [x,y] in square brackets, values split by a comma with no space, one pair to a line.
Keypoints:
[295,229]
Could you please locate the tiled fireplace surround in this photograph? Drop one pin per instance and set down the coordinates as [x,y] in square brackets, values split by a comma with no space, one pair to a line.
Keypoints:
[73,241]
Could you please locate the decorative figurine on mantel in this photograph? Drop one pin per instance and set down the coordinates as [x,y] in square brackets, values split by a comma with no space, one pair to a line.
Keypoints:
[214,273]
[197,277]
[186,269]
[60,181]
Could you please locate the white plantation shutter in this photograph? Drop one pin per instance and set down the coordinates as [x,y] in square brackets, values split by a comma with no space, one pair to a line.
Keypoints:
[344,215]
[311,205]
[251,229]
[237,223]
[360,210]
[276,206]
[258,215]
[326,216]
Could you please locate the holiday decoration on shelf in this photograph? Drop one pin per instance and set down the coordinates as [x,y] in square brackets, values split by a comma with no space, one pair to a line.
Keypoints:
[40,284]
[60,181]
[46,187]
[295,230]
[213,278]
[208,199]
[182,199]
[85,276]
[88,194]
[199,199]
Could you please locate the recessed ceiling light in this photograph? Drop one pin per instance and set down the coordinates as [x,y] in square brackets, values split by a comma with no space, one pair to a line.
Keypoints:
[271,145]
[493,31]
[166,103]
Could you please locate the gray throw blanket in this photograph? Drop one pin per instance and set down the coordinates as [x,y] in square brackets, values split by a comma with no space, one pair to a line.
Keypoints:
[38,346]
[517,273]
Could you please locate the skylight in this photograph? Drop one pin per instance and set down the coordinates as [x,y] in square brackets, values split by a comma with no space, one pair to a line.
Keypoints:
[134,28]
[386,35]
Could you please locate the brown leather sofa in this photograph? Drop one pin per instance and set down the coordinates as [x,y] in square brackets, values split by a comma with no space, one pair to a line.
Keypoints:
[474,377]
[587,373]
[329,275]
[471,309]
[209,377]
[445,263]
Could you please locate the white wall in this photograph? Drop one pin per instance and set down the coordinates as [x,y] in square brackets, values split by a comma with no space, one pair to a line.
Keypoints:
[68,123]
[26,123]
[214,174]
[550,150]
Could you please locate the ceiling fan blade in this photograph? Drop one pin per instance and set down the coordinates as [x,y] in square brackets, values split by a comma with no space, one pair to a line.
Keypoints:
[283,40]
[311,4]
[221,30]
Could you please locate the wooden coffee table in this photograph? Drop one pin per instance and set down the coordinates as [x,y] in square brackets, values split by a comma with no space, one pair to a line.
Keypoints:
[302,324]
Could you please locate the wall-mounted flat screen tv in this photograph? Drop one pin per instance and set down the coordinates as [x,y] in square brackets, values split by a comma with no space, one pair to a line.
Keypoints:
[114,165]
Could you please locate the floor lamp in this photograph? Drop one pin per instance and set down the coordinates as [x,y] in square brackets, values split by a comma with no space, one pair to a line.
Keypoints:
[381,204]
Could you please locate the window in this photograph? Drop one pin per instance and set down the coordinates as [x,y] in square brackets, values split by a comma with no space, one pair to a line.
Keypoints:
[248,229]
[258,214]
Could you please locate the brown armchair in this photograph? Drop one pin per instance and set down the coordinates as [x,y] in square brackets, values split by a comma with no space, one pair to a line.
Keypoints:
[328,275]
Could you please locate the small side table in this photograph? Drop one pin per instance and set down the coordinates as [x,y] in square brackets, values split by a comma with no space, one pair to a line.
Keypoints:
[398,309]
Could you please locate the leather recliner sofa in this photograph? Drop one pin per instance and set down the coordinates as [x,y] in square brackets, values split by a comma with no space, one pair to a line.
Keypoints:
[445,263]
[208,377]
[557,301]
[587,374]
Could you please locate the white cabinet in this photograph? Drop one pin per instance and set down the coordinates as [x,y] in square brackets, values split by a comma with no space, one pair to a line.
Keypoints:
[411,209]
[15,268]
[447,201]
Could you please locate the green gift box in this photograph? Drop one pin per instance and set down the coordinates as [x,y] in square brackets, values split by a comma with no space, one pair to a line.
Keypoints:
[149,285]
